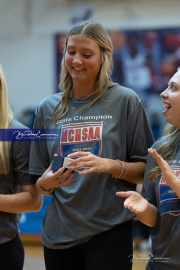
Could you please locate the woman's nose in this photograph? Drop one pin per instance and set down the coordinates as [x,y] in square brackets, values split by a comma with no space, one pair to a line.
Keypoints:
[164,94]
[77,59]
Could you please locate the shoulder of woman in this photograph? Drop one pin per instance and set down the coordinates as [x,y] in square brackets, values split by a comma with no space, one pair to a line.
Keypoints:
[159,142]
[126,92]
[19,146]
[15,123]
[47,105]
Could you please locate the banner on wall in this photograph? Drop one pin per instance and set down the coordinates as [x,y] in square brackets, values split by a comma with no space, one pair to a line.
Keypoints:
[144,60]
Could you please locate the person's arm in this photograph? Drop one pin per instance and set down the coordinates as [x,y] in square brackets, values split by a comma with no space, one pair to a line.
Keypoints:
[29,200]
[145,211]
[171,179]
[132,172]
[135,170]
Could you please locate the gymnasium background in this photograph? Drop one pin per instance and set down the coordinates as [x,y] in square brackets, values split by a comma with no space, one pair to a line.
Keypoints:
[144,60]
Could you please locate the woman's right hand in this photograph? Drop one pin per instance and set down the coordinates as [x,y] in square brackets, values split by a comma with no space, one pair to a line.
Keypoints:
[134,201]
[51,179]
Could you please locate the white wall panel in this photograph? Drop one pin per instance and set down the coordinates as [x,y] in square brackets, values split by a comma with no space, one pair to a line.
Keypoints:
[27,29]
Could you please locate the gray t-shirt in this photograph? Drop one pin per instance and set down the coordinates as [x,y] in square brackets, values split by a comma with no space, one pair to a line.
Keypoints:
[115,127]
[165,235]
[10,184]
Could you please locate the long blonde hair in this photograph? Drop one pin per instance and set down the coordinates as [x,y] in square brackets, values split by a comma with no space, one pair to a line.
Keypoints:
[167,149]
[5,119]
[95,31]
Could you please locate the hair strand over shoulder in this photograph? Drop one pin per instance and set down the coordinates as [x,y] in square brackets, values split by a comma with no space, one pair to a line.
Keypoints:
[5,119]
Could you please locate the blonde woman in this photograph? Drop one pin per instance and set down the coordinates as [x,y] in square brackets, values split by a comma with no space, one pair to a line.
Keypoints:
[17,189]
[104,126]
[159,205]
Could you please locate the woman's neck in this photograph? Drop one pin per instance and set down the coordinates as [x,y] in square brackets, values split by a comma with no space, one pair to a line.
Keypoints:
[82,90]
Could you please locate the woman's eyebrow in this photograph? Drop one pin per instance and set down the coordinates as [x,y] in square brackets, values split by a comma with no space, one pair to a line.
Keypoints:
[175,83]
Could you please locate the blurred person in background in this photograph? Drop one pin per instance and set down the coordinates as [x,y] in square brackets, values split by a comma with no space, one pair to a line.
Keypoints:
[154,112]
[118,40]
[159,205]
[137,66]
[104,126]
[17,188]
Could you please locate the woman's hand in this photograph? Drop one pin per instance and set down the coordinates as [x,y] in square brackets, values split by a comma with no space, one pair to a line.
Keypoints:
[50,179]
[87,159]
[145,211]
[167,173]
[134,201]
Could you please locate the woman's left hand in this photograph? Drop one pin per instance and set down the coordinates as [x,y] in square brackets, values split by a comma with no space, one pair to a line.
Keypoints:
[87,159]
[165,168]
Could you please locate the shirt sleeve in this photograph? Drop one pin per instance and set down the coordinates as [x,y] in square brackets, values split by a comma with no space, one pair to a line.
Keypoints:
[20,159]
[139,135]
[39,156]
